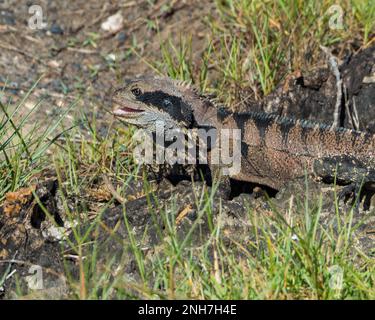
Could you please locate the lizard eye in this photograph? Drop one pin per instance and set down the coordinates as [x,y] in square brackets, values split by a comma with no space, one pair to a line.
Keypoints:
[136,91]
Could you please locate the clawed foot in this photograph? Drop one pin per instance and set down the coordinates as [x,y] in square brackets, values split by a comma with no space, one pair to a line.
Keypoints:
[224,189]
[351,191]
[221,182]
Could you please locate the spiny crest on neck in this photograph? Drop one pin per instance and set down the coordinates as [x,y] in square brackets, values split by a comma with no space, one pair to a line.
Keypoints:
[204,107]
[267,119]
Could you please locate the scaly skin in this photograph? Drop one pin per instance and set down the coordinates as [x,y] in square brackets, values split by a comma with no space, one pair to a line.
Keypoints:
[274,150]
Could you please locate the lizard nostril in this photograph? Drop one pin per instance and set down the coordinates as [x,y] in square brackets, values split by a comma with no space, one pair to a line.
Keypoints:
[167,103]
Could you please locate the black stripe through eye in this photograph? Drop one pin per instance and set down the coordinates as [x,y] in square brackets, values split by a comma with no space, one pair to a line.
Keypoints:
[174,106]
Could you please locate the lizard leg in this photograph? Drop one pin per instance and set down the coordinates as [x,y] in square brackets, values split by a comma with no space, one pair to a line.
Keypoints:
[353,191]
[223,182]
[367,200]
[349,171]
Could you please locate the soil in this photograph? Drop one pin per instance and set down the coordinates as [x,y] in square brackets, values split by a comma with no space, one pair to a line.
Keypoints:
[76,58]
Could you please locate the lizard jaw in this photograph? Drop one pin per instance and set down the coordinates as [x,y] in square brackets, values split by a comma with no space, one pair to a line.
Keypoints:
[124,111]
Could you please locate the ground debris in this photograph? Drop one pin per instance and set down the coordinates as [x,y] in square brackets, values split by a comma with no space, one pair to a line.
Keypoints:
[23,226]
[15,200]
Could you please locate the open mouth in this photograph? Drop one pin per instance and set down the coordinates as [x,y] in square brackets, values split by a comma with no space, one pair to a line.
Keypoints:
[120,110]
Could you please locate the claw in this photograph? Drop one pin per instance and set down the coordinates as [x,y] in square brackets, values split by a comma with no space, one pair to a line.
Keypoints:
[224,189]
[223,182]
[352,191]
[347,192]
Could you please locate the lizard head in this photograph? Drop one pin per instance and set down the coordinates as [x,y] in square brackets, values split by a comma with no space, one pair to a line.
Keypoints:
[144,101]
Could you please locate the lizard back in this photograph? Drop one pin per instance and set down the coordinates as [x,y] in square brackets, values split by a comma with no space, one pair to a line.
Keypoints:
[277,149]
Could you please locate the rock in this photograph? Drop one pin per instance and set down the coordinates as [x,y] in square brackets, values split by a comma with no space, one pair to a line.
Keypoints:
[7,18]
[56,29]
[54,64]
[121,37]
[113,23]
[312,95]
[23,224]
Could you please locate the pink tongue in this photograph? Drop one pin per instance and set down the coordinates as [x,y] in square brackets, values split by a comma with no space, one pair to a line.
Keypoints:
[126,109]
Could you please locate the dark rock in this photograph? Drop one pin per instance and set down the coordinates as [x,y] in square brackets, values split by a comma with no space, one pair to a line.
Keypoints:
[312,95]
[22,237]
[7,18]
[56,29]
[360,93]
[121,37]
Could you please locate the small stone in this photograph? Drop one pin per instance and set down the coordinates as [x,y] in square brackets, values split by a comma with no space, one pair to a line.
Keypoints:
[54,64]
[113,23]
[111,57]
[76,66]
[56,29]
[7,18]
[121,37]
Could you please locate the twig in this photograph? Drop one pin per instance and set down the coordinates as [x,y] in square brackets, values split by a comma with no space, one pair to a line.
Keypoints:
[24,53]
[11,274]
[155,14]
[351,112]
[129,4]
[11,261]
[8,269]
[6,86]
[354,115]
[9,47]
[113,191]
[335,69]
[99,17]
[81,50]
[217,273]
[28,263]
[183,214]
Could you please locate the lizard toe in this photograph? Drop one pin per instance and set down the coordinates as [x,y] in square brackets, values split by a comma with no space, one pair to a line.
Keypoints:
[352,191]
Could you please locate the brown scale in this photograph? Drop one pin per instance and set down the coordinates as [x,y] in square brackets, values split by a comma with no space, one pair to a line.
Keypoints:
[278,150]
[275,149]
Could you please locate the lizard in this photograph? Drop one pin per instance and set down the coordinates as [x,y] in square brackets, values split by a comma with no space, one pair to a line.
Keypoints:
[274,149]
